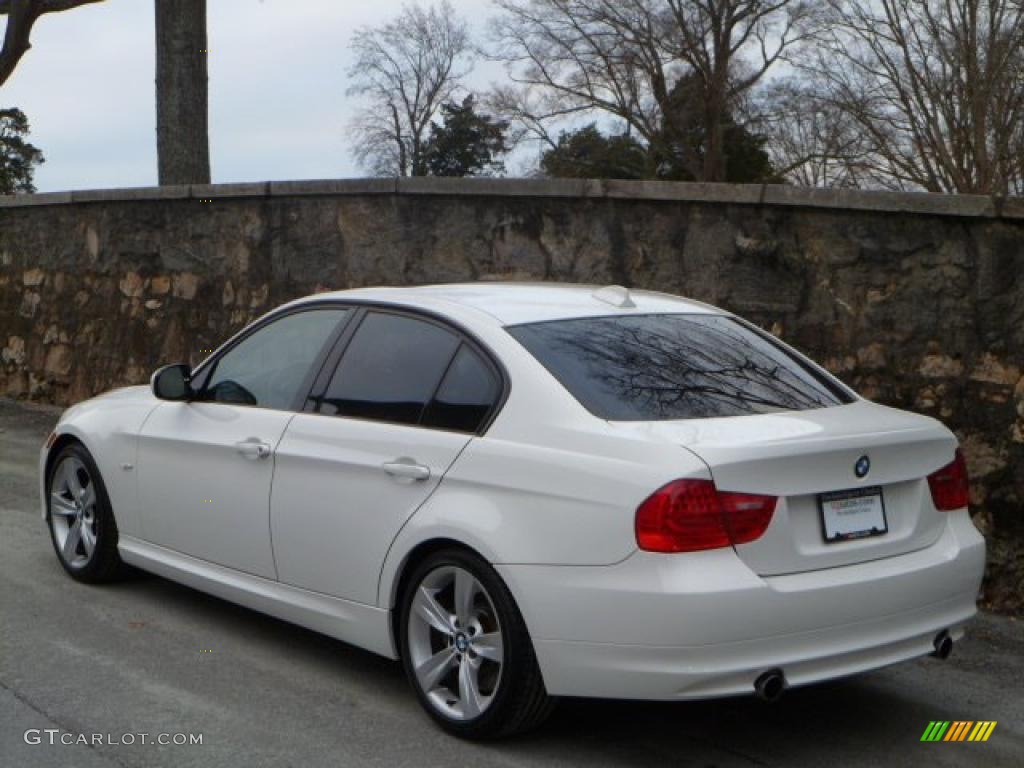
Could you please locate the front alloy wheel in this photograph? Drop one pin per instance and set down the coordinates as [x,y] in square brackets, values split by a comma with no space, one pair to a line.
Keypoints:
[466,650]
[73,512]
[81,521]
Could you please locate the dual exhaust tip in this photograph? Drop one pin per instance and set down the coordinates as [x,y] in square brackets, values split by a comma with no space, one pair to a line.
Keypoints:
[772,684]
[943,645]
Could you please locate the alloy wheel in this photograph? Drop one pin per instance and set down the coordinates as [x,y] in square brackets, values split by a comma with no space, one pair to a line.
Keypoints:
[456,644]
[73,512]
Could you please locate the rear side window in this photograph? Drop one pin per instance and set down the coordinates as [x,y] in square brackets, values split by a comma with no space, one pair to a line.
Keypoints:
[467,393]
[390,370]
[662,367]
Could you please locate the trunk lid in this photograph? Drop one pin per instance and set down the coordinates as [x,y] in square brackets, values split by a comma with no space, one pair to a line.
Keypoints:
[799,455]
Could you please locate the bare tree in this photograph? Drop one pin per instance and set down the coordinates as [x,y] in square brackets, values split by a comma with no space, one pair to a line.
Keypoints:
[624,57]
[405,70]
[21,17]
[812,143]
[936,86]
[182,88]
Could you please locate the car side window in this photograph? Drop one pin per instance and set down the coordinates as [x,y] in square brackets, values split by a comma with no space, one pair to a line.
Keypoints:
[390,370]
[269,367]
[467,393]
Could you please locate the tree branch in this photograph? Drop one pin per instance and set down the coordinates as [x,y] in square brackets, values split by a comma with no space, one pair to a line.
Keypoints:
[21,16]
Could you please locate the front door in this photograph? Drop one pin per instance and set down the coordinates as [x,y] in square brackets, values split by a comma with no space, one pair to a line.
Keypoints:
[204,477]
[206,466]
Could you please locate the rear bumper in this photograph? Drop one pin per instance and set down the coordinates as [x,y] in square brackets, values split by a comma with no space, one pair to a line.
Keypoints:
[704,625]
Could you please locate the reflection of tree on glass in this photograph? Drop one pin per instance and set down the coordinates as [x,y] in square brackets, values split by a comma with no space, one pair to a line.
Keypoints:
[657,367]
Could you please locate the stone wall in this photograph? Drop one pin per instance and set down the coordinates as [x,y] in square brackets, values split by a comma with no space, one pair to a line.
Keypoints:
[915,300]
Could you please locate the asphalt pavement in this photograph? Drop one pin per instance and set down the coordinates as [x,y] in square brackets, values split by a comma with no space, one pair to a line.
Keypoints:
[101,666]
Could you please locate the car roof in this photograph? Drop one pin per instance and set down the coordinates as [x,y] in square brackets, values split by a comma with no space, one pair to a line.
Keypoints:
[516,303]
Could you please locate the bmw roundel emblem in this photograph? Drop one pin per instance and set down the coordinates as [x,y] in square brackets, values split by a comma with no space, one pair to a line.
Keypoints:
[863,465]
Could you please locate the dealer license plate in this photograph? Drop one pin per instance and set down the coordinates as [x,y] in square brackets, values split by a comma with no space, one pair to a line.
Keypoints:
[852,514]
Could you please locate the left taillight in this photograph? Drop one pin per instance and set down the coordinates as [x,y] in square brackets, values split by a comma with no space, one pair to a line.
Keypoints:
[950,486]
[692,515]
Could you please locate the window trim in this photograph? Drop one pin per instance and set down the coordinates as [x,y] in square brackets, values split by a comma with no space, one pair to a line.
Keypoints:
[208,367]
[319,386]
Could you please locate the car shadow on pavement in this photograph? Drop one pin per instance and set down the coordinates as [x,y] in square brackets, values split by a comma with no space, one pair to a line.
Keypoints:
[864,714]
[262,634]
[825,713]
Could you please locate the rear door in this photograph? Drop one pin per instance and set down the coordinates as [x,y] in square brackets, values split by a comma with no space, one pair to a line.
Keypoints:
[406,397]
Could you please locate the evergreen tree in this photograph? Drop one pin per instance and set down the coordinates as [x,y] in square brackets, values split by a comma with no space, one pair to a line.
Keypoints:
[465,143]
[588,154]
[18,158]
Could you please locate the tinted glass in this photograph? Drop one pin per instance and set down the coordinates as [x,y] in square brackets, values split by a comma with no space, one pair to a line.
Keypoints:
[657,367]
[390,369]
[465,396]
[269,367]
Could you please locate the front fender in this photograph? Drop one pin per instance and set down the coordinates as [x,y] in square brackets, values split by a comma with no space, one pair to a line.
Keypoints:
[108,427]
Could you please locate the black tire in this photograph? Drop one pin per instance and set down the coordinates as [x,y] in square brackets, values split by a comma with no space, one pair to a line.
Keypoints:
[103,564]
[520,701]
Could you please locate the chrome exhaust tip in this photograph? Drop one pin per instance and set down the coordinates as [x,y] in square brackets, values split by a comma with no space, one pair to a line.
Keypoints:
[943,645]
[770,685]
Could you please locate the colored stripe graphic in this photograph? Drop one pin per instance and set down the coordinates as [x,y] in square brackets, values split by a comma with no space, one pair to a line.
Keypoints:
[982,730]
[958,730]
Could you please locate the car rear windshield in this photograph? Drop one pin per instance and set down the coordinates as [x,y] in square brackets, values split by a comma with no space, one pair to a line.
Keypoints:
[661,367]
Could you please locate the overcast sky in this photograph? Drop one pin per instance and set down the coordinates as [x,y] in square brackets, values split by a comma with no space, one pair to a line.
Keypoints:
[278,108]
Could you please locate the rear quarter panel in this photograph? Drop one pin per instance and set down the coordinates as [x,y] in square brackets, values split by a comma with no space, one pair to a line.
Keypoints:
[530,503]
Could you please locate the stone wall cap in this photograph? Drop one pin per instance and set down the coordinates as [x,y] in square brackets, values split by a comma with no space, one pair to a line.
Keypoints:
[1010,207]
[770,195]
[682,191]
[47,198]
[130,194]
[244,189]
[491,187]
[379,186]
[881,201]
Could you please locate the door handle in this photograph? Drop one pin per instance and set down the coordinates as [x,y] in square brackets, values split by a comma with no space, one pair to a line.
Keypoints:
[253,449]
[406,469]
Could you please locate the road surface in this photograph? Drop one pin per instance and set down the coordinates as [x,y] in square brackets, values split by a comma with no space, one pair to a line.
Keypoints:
[150,657]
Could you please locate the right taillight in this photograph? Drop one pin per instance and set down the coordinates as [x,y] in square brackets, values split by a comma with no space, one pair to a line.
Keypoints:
[949,485]
[690,515]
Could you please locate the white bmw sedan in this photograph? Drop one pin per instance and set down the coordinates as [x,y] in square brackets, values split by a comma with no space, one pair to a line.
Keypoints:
[532,491]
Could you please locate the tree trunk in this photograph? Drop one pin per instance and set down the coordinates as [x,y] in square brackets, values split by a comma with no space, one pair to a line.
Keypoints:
[182,130]
[714,118]
[714,157]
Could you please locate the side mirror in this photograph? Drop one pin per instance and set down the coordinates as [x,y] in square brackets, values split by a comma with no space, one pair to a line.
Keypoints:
[172,382]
